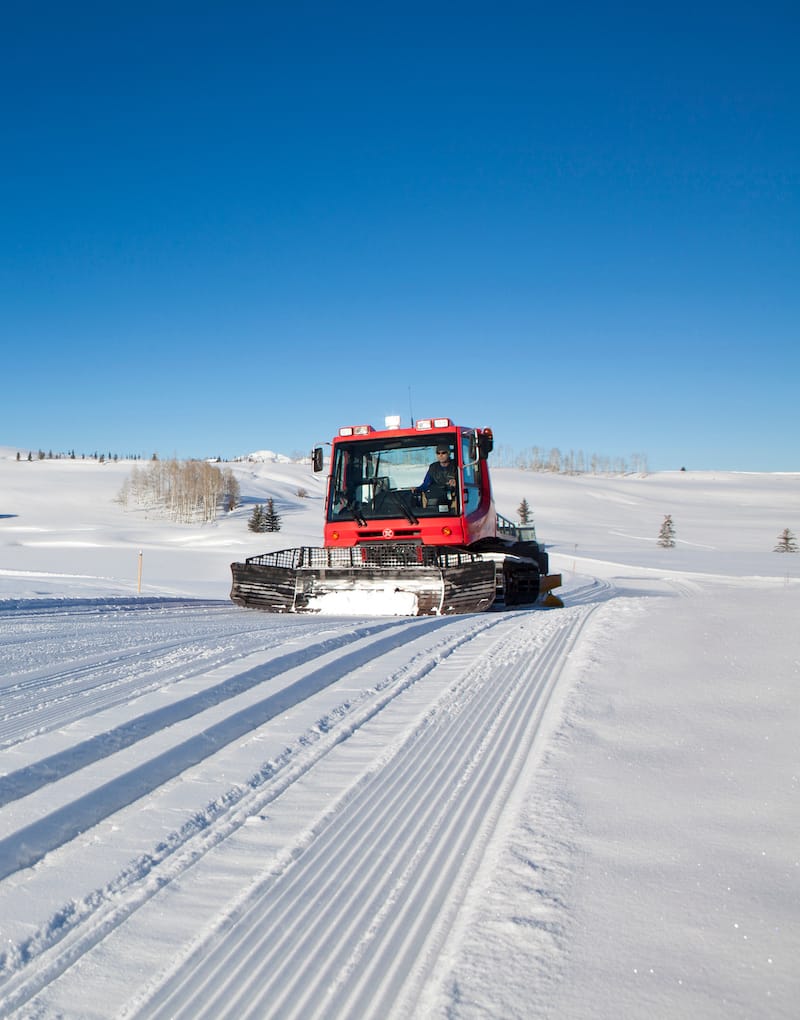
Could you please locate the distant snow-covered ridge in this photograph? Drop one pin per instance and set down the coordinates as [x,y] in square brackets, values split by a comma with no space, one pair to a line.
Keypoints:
[265,457]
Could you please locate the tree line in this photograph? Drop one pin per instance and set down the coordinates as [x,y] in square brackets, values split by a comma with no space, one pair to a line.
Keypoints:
[532,458]
[187,491]
[101,458]
[571,462]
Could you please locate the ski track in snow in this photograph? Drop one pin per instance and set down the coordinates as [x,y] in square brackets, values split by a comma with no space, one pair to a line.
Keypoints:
[351,894]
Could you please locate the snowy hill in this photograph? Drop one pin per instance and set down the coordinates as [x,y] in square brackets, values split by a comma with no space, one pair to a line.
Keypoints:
[61,517]
[266,457]
[213,812]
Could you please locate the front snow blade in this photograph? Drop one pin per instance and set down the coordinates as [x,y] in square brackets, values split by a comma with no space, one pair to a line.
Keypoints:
[365,581]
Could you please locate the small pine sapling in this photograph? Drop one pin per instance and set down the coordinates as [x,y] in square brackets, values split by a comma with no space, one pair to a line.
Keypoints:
[272,520]
[787,543]
[666,536]
[255,521]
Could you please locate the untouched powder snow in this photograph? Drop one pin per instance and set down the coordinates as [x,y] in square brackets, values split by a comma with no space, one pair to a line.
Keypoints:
[694,727]
[654,867]
[581,813]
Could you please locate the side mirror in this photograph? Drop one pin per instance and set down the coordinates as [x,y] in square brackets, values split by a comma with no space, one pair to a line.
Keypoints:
[317,459]
[486,442]
[473,449]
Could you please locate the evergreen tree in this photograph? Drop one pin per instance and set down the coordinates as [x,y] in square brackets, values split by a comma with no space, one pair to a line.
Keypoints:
[524,512]
[666,536]
[272,520]
[786,542]
[256,520]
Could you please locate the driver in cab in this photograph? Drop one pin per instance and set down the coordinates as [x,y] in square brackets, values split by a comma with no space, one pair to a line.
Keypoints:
[441,474]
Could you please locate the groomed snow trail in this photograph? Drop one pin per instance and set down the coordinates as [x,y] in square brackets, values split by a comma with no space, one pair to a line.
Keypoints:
[288,833]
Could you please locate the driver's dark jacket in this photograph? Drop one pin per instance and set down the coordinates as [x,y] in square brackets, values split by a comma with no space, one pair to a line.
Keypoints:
[440,476]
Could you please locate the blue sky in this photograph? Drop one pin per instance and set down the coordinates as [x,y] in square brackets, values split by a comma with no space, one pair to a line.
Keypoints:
[229,227]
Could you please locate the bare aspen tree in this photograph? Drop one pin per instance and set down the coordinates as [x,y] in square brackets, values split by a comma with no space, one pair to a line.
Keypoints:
[233,492]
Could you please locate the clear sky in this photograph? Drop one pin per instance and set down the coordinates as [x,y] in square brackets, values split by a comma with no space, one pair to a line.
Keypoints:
[235,226]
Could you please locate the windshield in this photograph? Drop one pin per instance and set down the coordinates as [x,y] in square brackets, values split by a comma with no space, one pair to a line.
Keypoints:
[408,477]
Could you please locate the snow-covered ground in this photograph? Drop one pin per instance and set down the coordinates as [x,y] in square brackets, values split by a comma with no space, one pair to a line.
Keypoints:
[580,813]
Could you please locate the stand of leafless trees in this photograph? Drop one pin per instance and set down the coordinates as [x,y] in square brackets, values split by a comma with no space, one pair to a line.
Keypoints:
[573,462]
[191,491]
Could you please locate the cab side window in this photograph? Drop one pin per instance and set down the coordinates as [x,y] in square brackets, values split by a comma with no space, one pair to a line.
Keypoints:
[472,477]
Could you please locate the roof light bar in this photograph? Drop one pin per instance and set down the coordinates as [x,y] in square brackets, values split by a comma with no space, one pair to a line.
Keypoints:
[355,430]
[424,424]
